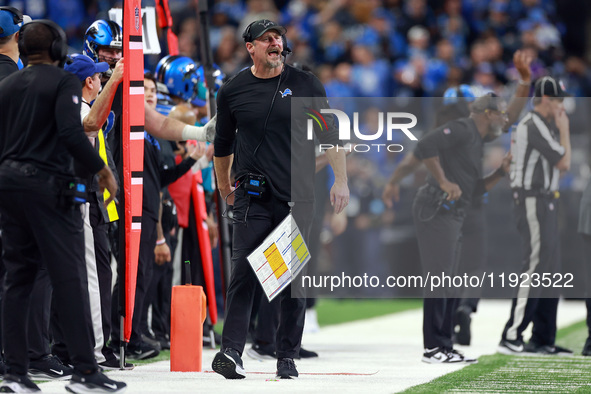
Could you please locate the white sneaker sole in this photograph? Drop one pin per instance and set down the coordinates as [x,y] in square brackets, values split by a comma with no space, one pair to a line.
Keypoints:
[79,388]
[227,367]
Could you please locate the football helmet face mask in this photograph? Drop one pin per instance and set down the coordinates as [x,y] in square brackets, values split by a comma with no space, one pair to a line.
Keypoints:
[103,34]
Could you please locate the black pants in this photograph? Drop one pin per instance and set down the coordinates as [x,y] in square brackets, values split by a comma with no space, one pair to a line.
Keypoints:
[263,217]
[473,253]
[439,238]
[105,276]
[144,275]
[35,228]
[158,297]
[39,315]
[267,319]
[537,222]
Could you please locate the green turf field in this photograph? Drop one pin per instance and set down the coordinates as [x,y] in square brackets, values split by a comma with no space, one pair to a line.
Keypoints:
[528,374]
[335,311]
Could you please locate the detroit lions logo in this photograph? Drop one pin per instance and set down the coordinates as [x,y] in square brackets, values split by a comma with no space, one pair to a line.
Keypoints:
[286,92]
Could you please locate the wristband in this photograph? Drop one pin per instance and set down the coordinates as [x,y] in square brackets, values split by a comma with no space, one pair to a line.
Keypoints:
[161,242]
[193,133]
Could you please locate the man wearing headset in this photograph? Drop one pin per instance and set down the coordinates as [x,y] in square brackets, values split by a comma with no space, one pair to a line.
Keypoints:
[254,131]
[453,155]
[40,205]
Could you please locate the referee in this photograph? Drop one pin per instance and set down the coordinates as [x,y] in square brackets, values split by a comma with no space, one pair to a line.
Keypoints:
[541,150]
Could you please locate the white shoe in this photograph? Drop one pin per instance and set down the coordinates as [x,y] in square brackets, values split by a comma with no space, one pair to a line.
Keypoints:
[440,355]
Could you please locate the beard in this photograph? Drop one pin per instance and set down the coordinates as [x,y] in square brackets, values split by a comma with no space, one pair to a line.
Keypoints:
[494,132]
[274,63]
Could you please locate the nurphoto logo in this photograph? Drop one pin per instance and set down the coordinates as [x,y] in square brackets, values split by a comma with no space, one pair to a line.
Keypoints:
[394,121]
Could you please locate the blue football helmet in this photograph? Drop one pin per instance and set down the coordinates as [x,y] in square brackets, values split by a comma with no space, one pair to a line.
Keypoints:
[179,74]
[200,99]
[451,95]
[102,33]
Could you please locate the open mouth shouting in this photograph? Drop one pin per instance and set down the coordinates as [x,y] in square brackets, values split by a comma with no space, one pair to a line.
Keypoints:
[274,54]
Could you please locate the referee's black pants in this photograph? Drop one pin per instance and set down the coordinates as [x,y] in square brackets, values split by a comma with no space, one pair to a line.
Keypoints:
[263,216]
[537,223]
[439,236]
[36,227]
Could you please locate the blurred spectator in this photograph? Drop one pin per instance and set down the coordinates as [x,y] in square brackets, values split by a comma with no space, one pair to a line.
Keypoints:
[438,68]
[415,13]
[332,46]
[418,41]
[231,56]
[369,75]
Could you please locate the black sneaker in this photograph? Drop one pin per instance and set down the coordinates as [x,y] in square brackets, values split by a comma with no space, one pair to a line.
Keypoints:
[114,363]
[2,366]
[141,352]
[306,353]
[587,348]
[549,350]
[262,352]
[440,355]
[286,368]
[18,384]
[511,347]
[151,342]
[228,364]
[48,368]
[164,343]
[463,320]
[94,383]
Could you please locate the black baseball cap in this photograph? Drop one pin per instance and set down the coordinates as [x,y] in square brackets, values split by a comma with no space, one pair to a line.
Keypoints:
[548,86]
[260,27]
[489,101]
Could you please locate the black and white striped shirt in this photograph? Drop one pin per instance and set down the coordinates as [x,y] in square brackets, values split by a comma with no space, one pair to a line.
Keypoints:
[536,150]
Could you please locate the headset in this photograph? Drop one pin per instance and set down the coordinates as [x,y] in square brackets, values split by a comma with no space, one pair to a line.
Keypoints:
[58,50]
[17,15]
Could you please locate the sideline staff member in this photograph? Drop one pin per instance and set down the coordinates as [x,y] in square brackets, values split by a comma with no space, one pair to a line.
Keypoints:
[453,155]
[254,127]
[40,133]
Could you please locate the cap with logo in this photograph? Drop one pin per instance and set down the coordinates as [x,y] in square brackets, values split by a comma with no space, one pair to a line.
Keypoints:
[83,66]
[11,20]
[260,27]
[548,86]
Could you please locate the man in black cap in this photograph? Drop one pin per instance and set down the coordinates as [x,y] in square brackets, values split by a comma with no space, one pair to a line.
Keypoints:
[254,130]
[453,155]
[541,150]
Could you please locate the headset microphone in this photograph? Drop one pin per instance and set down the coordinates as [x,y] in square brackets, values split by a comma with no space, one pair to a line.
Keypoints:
[286,49]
